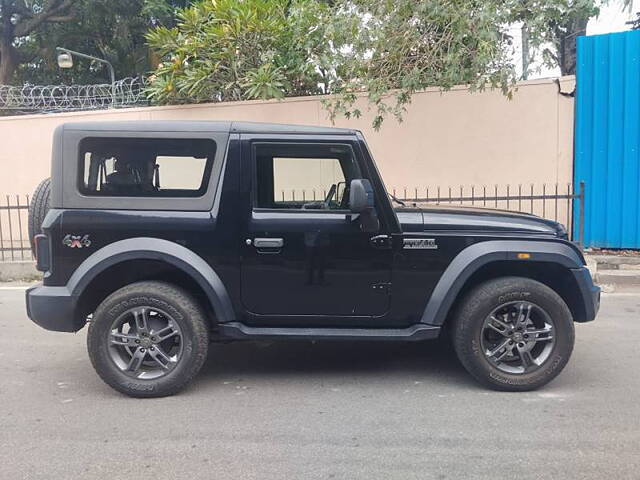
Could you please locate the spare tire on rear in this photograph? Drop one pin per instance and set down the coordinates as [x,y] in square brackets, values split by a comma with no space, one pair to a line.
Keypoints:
[38,208]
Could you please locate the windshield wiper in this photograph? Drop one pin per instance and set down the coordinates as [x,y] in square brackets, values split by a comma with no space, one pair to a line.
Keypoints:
[395,199]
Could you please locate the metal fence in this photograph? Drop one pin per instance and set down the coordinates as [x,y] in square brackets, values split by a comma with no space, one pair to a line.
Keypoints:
[14,230]
[555,202]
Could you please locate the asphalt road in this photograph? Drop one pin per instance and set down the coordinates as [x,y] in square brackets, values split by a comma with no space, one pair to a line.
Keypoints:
[319,411]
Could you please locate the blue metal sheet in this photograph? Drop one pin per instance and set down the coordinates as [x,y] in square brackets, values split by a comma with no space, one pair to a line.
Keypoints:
[607,138]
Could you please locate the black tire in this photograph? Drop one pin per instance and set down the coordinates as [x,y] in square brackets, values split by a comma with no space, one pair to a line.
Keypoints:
[469,329]
[185,312]
[38,208]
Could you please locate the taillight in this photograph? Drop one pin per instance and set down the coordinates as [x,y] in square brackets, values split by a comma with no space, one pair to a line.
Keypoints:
[41,252]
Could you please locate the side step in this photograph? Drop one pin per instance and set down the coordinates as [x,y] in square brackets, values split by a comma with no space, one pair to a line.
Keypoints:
[413,333]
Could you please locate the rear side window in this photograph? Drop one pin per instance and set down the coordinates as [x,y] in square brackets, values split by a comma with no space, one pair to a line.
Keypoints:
[145,167]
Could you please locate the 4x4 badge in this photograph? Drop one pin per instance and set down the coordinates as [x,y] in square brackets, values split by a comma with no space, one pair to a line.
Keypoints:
[76,241]
[421,243]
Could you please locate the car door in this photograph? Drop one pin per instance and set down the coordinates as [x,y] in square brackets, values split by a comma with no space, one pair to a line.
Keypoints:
[304,255]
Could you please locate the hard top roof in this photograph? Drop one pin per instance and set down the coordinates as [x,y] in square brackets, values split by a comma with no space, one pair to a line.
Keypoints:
[204,126]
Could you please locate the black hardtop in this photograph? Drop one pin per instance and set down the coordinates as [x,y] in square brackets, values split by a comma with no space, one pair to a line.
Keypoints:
[205,126]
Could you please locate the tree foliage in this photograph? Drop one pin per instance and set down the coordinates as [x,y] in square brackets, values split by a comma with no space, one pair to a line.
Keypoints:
[228,50]
[402,46]
[109,29]
[18,20]
[553,26]
[220,50]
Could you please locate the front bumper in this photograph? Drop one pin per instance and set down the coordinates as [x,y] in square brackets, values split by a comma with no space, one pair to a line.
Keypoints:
[590,294]
[52,308]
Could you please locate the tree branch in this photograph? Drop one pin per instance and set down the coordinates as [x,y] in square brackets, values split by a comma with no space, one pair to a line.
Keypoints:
[61,18]
[5,25]
[23,9]
[29,55]
[51,11]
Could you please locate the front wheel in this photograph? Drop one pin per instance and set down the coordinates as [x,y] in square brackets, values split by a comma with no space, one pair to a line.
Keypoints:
[513,334]
[148,339]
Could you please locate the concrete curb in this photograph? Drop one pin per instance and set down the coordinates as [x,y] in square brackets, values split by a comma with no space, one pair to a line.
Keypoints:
[616,262]
[615,273]
[592,265]
[19,271]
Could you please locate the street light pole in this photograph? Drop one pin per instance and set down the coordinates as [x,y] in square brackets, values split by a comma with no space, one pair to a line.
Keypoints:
[90,57]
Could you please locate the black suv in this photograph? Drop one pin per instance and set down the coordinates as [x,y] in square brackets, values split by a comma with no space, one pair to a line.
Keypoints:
[165,236]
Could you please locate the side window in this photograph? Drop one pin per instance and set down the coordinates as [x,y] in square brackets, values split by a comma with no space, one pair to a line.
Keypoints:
[304,176]
[145,167]
[181,173]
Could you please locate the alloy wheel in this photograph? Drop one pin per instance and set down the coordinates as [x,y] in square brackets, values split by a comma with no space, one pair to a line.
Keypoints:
[518,337]
[145,343]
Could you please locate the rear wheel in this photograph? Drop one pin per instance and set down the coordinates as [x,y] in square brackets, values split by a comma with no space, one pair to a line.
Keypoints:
[513,334]
[38,208]
[148,339]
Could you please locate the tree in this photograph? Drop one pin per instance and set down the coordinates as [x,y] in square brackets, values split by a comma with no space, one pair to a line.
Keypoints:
[552,28]
[20,18]
[400,47]
[110,29]
[564,32]
[384,50]
[227,50]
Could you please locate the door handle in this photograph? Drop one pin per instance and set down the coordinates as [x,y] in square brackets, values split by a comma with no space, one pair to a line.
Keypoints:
[268,242]
[381,242]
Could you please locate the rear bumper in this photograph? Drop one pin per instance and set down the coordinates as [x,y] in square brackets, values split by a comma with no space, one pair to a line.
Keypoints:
[590,294]
[52,308]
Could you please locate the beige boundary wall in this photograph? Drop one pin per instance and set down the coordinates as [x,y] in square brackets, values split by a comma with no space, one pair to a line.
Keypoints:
[447,139]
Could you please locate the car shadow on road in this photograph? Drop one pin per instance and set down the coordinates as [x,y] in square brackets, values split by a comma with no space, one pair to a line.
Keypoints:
[431,360]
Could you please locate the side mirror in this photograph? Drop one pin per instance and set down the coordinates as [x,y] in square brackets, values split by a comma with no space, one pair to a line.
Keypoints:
[360,195]
[361,200]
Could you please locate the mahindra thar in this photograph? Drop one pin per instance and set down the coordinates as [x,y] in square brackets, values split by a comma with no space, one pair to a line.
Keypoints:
[165,236]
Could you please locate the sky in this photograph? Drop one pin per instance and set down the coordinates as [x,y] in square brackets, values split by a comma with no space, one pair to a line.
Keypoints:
[612,18]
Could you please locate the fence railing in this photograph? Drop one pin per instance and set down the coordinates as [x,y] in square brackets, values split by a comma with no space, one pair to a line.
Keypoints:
[14,230]
[554,202]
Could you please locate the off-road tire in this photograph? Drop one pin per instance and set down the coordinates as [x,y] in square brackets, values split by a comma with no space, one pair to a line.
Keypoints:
[480,302]
[185,310]
[38,208]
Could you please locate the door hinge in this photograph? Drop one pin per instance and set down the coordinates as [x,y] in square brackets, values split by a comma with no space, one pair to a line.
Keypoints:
[383,287]
[381,241]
